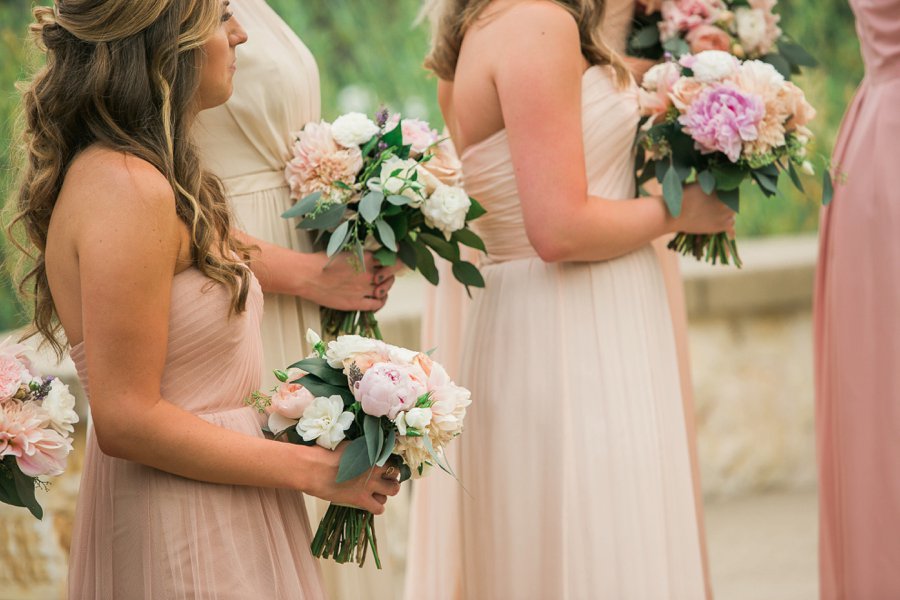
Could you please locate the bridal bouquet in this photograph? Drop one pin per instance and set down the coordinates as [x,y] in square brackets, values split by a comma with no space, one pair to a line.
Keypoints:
[390,186]
[389,403]
[37,419]
[747,29]
[713,119]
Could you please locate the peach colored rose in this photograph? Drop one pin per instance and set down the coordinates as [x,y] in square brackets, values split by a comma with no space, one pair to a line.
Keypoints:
[797,106]
[318,162]
[654,96]
[708,37]
[444,163]
[684,92]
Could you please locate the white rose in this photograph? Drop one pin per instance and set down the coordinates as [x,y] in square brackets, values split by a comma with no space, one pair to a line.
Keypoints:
[418,418]
[325,421]
[762,72]
[401,183]
[751,28]
[446,209]
[60,407]
[353,129]
[401,356]
[346,346]
[710,66]
[666,71]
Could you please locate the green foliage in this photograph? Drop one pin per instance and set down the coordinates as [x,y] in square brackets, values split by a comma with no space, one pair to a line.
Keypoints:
[375,46]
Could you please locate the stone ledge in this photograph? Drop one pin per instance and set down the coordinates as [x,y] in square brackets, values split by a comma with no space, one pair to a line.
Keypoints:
[778,276]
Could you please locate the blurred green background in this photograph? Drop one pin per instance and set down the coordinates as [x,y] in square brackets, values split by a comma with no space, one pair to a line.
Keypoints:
[370,53]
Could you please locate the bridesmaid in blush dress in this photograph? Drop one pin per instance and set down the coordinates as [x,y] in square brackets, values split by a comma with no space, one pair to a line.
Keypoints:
[857,329]
[181,496]
[246,142]
[575,457]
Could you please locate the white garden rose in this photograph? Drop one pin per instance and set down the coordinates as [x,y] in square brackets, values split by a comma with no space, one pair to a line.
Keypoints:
[397,179]
[418,418]
[325,421]
[59,404]
[662,72]
[446,209]
[353,129]
[346,346]
[712,65]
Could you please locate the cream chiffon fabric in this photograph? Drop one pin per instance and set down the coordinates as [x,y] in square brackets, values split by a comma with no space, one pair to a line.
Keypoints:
[141,533]
[575,456]
[247,142]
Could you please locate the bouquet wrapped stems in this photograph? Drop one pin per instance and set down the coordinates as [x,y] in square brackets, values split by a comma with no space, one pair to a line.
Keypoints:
[340,322]
[345,535]
[714,249]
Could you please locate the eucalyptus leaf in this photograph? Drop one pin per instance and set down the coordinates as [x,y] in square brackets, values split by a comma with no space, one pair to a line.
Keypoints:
[827,187]
[646,37]
[769,186]
[795,177]
[302,207]
[677,47]
[386,234]
[728,176]
[338,239]
[707,181]
[328,219]
[673,192]
[374,437]
[434,456]
[355,461]
[370,206]
[387,448]
[398,200]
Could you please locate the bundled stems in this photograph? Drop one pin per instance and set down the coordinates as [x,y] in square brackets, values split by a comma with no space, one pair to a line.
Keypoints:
[714,249]
[346,534]
[340,322]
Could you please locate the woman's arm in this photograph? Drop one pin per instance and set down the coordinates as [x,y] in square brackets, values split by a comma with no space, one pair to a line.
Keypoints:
[129,244]
[337,283]
[538,70]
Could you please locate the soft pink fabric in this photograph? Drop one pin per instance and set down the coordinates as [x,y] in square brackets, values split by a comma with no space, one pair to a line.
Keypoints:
[857,327]
[606,509]
[141,533]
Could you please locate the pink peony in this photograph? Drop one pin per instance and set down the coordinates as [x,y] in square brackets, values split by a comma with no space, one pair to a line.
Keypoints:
[708,37]
[319,162]
[386,389]
[682,16]
[722,118]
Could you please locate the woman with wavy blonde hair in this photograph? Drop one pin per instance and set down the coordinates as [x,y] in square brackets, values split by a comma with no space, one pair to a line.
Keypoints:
[134,266]
[575,462]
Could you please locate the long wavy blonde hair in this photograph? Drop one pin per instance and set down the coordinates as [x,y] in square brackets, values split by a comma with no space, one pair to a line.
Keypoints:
[451,19]
[122,74]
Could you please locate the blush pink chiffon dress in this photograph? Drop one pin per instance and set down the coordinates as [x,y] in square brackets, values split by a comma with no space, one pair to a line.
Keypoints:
[857,331]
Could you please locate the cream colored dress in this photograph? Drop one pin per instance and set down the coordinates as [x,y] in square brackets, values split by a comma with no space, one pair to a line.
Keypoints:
[246,142]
